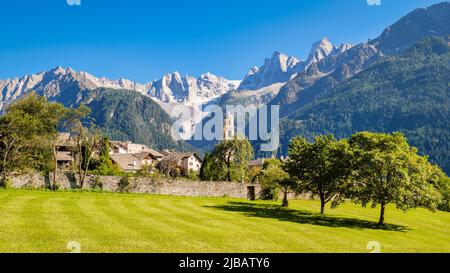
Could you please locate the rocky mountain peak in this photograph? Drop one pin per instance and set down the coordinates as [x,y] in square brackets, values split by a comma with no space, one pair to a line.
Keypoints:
[319,51]
[276,69]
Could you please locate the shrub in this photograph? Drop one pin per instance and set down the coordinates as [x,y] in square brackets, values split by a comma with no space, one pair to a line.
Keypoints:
[7,183]
[269,193]
[193,176]
[124,184]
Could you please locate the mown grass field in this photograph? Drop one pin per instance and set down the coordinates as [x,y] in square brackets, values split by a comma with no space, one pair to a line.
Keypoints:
[36,221]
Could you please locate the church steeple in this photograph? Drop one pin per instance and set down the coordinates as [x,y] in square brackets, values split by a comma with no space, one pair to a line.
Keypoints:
[228,127]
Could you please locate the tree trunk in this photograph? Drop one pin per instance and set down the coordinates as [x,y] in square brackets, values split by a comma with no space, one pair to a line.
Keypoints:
[322,207]
[381,221]
[285,199]
[229,168]
[322,204]
[85,171]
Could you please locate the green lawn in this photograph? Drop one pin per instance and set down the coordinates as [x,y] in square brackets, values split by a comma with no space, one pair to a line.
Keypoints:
[35,221]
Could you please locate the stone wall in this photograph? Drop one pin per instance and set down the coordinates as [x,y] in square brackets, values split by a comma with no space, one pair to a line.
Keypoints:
[69,180]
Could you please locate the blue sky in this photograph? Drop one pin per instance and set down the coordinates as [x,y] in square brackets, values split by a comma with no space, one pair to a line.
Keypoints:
[142,40]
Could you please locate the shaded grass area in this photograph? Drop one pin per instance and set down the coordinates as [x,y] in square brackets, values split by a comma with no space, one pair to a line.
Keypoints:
[303,217]
[34,221]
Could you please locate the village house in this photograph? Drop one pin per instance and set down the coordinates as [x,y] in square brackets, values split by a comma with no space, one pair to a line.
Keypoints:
[184,162]
[131,157]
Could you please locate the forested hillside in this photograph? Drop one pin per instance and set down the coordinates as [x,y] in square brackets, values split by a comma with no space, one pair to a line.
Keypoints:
[409,93]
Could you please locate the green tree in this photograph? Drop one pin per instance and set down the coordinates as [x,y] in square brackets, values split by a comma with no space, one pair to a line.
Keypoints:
[286,186]
[27,131]
[388,171]
[86,137]
[270,178]
[322,168]
[442,183]
[234,155]
[212,169]
[104,165]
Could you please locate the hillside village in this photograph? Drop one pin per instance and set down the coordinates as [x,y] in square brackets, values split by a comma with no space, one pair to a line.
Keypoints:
[131,157]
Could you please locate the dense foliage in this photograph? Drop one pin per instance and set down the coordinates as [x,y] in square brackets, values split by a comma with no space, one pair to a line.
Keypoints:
[369,168]
[388,170]
[323,167]
[27,132]
[229,161]
[270,178]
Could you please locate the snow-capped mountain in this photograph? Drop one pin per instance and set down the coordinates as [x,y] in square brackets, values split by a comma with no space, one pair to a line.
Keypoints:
[278,68]
[320,50]
[67,86]
[262,84]
[176,88]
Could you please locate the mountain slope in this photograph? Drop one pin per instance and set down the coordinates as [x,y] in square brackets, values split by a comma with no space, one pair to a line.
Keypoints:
[130,116]
[262,84]
[409,93]
[340,65]
[419,24]
[346,62]
[122,114]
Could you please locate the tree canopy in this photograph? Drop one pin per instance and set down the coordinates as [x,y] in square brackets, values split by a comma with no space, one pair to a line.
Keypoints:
[322,167]
[389,170]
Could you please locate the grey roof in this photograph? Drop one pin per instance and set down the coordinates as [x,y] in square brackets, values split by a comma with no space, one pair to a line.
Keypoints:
[155,153]
[177,156]
[127,162]
[143,155]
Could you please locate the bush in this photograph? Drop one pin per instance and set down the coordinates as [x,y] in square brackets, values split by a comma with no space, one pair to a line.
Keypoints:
[193,176]
[124,184]
[269,193]
[146,170]
[7,183]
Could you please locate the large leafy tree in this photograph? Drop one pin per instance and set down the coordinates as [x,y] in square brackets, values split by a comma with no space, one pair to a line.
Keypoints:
[389,171]
[232,157]
[322,167]
[27,131]
[212,169]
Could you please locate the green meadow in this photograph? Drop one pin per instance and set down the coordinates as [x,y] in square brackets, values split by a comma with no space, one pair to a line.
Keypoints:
[39,221]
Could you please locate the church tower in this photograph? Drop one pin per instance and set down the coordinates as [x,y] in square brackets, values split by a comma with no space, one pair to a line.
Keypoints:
[228,127]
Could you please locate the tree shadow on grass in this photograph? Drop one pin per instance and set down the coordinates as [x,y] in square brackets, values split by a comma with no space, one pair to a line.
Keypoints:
[303,217]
